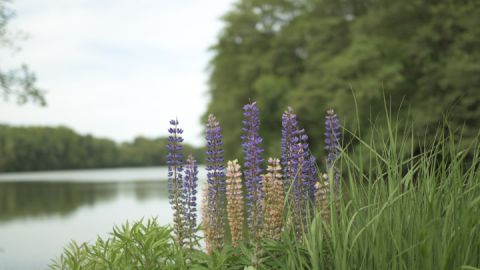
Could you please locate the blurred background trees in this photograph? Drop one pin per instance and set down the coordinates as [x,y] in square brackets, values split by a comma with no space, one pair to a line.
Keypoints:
[423,57]
[18,83]
[56,148]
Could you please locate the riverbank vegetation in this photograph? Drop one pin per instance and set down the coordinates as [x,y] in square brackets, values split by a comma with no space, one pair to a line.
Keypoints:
[60,148]
[403,210]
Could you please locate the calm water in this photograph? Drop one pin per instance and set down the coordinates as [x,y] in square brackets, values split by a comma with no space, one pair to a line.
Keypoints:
[42,212]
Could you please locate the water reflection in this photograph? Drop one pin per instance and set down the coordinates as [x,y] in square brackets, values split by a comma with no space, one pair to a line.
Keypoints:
[37,199]
[41,212]
[147,190]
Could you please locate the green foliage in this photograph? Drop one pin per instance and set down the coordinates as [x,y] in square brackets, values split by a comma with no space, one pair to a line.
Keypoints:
[47,148]
[316,54]
[137,246]
[399,212]
[21,82]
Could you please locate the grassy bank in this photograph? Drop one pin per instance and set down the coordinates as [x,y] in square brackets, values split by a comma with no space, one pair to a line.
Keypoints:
[399,210]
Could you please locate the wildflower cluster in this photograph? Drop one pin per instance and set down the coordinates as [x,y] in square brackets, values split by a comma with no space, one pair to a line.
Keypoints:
[291,184]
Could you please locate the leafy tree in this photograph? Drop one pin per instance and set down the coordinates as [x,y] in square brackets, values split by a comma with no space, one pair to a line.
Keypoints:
[21,82]
[423,57]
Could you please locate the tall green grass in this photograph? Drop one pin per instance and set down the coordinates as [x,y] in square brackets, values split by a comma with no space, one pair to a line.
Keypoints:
[398,207]
[399,210]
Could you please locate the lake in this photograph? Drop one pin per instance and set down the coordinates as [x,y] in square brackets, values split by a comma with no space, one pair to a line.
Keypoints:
[41,212]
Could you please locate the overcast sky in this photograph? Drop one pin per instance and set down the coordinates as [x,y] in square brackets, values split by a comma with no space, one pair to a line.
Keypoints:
[117,68]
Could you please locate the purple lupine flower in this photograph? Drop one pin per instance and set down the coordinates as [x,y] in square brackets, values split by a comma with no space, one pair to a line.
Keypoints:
[294,139]
[301,185]
[300,174]
[299,163]
[189,195]
[175,169]
[289,128]
[332,142]
[252,150]
[312,176]
[216,184]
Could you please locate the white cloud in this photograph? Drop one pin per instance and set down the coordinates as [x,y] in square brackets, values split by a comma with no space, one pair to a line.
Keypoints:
[117,68]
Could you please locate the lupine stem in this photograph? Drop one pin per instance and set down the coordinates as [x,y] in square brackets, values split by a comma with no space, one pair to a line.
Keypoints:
[206,219]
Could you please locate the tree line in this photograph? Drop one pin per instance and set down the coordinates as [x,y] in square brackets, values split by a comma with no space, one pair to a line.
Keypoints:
[58,148]
[421,58]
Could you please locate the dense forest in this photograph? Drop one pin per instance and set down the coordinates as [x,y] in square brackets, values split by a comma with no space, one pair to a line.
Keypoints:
[421,58]
[55,148]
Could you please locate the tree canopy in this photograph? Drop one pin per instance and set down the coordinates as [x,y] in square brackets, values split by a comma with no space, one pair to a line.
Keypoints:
[423,57]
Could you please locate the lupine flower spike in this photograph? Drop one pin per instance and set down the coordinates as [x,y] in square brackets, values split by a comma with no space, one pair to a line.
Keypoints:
[303,164]
[332,147]
[235,202]
[321,196]
[274,200]
[312,176]
[332,143]
[175,180]
[252,150]
[216,184]
[299,169]
[190,199]
[251,141]
[289,128]
[300,184]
